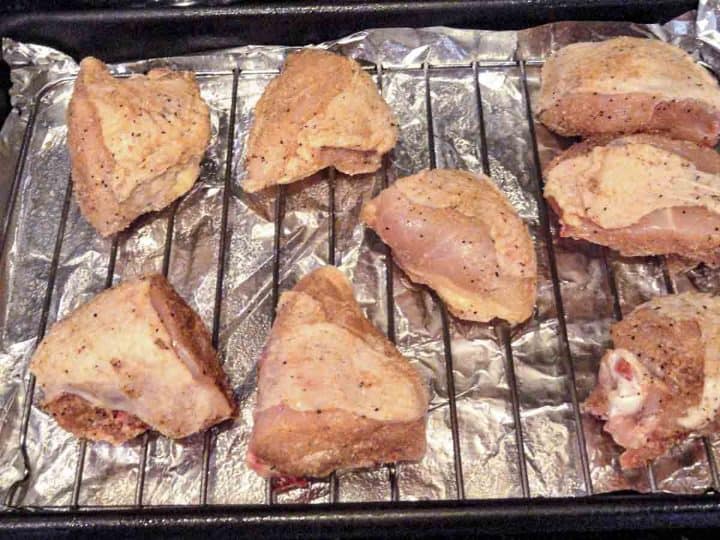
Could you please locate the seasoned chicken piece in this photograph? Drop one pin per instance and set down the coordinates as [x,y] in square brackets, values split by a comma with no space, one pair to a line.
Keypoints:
[135,357]
[457,233]
[333,392]
[322,110]
[640,195]
[661,382]
[629,85]
[135,144]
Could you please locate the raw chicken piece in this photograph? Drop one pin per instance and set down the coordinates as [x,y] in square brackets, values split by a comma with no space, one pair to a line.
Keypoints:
[662,380]
[457,233]
[640,195]
[322,110]
[628,85]
[135,144]
[333,392]
[133,358]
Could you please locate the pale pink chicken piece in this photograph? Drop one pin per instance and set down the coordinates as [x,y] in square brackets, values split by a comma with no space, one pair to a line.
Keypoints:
[333,392]
[135,143]
[135,357]
[457,233]
[640,195]
[629,85]
[322,110]
[661,382]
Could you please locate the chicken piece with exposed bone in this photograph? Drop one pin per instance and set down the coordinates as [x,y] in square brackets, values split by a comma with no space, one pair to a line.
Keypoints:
[135,143]
[333,392]
[640,195]
[135,357]
[457,233]
[322,110]
[661,382]
[629,85]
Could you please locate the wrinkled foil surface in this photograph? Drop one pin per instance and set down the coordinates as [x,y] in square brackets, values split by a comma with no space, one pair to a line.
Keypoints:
[413,67]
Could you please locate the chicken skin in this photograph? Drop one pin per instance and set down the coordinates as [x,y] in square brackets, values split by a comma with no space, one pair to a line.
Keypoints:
[135,144]
[661,382]
[628,85]
[457,233]
[640,195]
[333,392]
[135,357]
[322,110]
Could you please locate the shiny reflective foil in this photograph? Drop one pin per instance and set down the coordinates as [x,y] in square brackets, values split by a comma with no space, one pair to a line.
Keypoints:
[461,98]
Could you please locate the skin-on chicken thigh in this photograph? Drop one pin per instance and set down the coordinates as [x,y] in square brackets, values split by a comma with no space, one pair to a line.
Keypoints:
[135,357]
[640,195]
[457,233]
[627,85]
[661,382]
[333,392]
[322,110]
[135,143]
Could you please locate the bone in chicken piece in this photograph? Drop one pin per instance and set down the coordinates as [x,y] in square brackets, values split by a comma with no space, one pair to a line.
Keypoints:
[640,195]
[333,392]
[457,233]
[661,382]
[135,143]
[135,357]
[628,85]
[322,110]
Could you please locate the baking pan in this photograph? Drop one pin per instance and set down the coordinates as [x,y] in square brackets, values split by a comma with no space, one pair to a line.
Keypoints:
[123,34]
[126,34]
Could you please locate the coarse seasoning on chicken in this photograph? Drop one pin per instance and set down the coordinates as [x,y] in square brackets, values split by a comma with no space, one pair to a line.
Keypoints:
[135,143]
[135,357]
[640,195]
[333,392]
[322,110]
[661,381]
[457,233]
[628,85]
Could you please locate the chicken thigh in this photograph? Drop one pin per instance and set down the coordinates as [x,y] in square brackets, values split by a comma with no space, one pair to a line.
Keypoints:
[661,382]
[457,233]
[640,195]
[628,85]
[322,110]
[333,392]
[135,357]
[135,144]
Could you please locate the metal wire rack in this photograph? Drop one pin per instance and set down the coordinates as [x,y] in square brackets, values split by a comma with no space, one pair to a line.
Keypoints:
[14,497]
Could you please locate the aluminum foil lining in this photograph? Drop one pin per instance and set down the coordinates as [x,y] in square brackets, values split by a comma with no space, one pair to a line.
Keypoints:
[493,448]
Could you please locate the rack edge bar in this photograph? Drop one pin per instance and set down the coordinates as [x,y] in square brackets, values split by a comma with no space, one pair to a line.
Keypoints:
[600,513]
